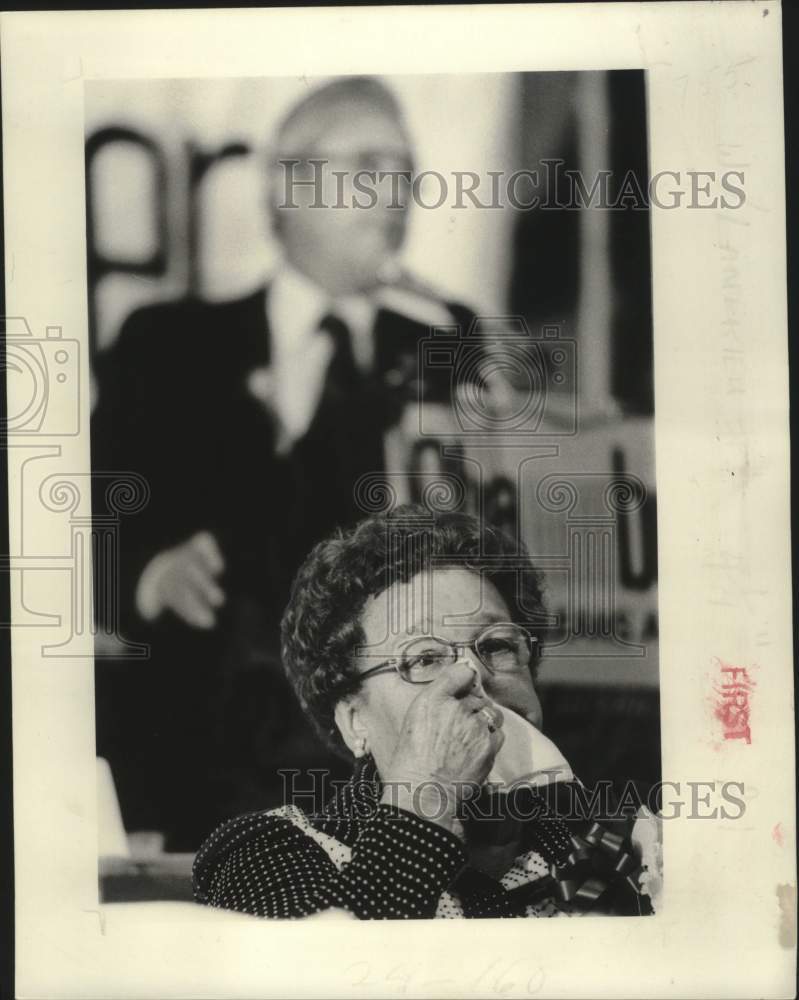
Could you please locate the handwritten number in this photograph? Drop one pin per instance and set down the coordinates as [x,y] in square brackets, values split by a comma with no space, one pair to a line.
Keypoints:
[364,979]
[400,975]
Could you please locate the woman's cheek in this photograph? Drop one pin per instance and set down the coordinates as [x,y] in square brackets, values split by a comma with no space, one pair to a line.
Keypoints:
[520,697]
[386,714]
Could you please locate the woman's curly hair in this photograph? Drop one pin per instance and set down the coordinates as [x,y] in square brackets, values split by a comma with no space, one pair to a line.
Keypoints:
[321,627]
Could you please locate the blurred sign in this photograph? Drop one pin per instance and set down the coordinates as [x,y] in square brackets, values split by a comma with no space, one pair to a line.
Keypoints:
[583,504]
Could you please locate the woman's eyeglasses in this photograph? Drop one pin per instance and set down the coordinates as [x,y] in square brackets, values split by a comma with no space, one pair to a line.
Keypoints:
[504,648]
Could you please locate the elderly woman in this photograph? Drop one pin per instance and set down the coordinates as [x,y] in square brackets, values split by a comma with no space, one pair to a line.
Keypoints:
[410,641]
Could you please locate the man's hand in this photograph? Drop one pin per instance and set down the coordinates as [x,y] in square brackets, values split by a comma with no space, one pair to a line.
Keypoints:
[184,580]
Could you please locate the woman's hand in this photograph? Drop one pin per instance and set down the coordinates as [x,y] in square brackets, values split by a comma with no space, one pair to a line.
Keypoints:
[447,744]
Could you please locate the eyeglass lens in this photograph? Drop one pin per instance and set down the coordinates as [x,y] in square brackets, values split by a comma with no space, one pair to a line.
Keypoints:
[502,648]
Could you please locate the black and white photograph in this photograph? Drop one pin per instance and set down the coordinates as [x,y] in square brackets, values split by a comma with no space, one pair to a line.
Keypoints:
[398,415]
[398,487]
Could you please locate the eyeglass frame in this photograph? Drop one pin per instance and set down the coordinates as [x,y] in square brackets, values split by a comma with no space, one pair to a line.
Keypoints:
[392,663]
[370,156]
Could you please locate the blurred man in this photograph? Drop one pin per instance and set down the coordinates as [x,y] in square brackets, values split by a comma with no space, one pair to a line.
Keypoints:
[252,420]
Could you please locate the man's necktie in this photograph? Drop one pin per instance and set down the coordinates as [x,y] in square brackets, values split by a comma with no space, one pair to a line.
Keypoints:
[347,433]
[343,373]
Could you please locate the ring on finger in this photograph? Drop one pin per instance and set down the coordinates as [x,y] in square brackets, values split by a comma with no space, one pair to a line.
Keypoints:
[486,712]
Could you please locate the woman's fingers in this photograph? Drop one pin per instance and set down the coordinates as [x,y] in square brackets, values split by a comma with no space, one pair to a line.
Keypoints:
[476,705]
[498,739]
[493,716]
[451,729]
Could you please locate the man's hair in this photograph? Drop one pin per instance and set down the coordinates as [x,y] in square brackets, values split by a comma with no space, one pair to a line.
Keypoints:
[321,628]
[305,122]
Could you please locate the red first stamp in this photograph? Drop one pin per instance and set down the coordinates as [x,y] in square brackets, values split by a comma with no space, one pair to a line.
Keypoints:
[733,696]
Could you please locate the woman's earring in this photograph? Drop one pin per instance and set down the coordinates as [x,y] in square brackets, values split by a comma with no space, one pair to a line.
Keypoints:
[360,747]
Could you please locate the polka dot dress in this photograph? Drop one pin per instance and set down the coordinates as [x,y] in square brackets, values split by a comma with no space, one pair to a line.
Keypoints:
[374,860]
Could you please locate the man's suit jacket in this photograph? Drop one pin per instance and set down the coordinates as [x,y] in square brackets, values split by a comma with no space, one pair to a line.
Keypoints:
[176,407]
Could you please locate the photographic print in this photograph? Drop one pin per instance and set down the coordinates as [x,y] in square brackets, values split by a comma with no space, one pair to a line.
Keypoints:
[382,463]
[347,392]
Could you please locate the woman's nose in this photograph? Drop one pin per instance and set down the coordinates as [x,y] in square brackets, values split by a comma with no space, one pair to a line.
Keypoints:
[470,659]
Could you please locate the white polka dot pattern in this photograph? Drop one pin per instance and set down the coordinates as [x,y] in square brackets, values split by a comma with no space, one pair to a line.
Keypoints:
[376,861]
[266,865]
[449,906]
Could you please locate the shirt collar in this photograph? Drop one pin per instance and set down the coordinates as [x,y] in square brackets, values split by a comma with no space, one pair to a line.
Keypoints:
[296,305]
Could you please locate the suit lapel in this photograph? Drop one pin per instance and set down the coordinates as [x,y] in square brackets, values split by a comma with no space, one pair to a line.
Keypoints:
[396,341]
[249,316]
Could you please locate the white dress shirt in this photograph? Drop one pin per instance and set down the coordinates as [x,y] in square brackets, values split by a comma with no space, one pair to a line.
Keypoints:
[301,353]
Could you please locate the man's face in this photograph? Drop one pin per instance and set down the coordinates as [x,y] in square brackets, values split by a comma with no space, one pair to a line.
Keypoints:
[342,246]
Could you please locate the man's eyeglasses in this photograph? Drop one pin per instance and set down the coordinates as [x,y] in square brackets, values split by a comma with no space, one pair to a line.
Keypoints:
[504,648]
[366,160]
